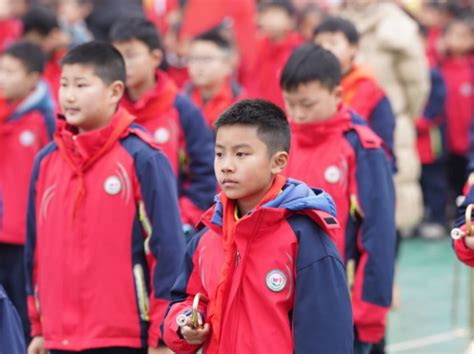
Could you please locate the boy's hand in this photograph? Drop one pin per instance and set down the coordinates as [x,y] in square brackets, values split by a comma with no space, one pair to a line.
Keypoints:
[195,335]
[37,346]
[469,242]
[160,350]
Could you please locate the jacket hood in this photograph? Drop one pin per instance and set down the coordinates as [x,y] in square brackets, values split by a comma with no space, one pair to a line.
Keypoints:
[295,197]
[40,99]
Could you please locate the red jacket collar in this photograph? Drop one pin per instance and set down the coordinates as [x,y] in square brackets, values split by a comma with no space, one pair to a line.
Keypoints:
[316,133]
[83,150]
[154,102]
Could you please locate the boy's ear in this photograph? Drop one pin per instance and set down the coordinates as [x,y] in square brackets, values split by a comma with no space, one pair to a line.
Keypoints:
[338,93]
[279,162]
[157,55]
[117,89]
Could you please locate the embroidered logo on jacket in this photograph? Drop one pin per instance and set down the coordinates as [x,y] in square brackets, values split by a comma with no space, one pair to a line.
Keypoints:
[27,138]
[332,174]
[162,135]
[276,280]
[112,185]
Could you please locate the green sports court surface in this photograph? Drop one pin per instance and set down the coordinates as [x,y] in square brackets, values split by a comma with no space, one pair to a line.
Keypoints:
[431,317]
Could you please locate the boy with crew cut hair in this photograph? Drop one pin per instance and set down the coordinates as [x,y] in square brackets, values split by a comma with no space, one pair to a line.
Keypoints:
[41,26]
[211,62]
[348,161]
[26,126]
[103,229]
[175,122]
[264,263]
[360,90]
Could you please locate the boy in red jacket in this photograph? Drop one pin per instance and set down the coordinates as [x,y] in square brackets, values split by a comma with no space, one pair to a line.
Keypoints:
[457,68]
[278,39]
[349,162]
[41,26]
[360,90]
[211,62]
[269,275]
[175,122]
[104,236]
[26,126]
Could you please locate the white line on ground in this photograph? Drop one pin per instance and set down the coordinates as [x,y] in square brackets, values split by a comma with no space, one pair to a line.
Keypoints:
[427,341]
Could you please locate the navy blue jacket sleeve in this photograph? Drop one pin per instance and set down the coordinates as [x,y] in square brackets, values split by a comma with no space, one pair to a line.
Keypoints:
[322,314]
[435,105]
[11,333]
[200,154]
[30,244]
[166,242]
[375,241]
[382,122]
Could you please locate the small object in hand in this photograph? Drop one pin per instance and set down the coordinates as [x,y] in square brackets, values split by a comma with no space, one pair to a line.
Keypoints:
[195,323]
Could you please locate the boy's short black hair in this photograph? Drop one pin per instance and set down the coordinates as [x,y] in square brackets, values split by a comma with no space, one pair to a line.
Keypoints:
[270,121]
[39,19]
[216,37]
[107,61]
[286,5]
[311,62]
[29,54]
[139,28]
[333,24]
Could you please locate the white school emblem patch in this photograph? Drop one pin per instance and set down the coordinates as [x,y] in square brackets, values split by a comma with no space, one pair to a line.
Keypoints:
[332,174]
[162,135]
[112,185]
[276,280]
[27,138]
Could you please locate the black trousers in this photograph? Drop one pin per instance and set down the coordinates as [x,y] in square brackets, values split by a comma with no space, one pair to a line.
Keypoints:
[12,277]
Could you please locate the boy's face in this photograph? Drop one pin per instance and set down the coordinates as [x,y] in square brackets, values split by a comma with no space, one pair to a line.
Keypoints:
[15,81]
[337,43]
[243,166]
[73,11]
[208,64]
[49,43]
[275,22]
[86,100]
[312,102]
[458,39]
[141,61]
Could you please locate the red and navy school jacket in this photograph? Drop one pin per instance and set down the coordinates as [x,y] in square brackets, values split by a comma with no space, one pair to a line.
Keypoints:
[12,338]
[465,254]
[288,293]
[104,238]
[25,128]
[458,74]
[229,93]
[348,161]
[363,95]
[429,140]
[270,60]
[179,129]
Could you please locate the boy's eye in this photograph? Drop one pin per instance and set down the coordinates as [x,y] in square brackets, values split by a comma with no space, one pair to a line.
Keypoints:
[218,154]
[81,85]
[241,154]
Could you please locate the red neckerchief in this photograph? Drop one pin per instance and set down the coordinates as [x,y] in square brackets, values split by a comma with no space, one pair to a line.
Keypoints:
[217,307]
[93,145]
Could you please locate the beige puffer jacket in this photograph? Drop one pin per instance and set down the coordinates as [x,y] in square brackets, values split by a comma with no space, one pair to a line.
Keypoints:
[391,46]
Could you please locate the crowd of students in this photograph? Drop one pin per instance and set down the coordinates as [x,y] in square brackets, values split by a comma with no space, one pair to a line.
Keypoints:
[262,157]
